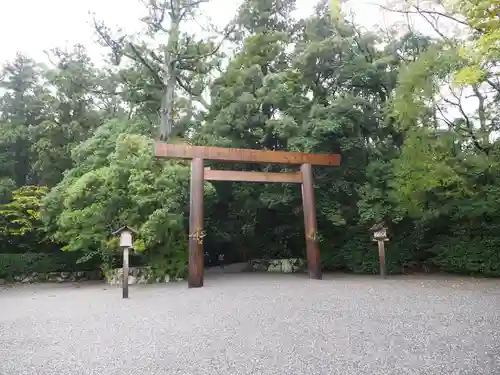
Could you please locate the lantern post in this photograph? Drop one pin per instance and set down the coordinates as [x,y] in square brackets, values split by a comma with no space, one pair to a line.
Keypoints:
[380,236]
[126,242]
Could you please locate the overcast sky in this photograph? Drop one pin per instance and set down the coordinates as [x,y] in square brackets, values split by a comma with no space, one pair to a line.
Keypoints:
[32,26]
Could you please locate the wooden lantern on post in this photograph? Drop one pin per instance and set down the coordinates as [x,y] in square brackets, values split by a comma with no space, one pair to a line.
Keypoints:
[380,236]
[126,235]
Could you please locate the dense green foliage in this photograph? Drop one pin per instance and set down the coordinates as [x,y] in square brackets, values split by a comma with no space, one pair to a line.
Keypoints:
[77,159]
[12,265]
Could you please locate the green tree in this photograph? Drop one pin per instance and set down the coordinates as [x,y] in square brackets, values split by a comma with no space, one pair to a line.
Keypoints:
[21,228]
[118,181]
[178,69]
[23,107]
[483,47]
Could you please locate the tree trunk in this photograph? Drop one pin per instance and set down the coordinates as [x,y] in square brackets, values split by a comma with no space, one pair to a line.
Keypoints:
[170,72]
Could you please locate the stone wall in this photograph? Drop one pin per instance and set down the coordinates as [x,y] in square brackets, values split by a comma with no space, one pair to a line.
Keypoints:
[136,275]
[278,265]
[144,275]
[59,277]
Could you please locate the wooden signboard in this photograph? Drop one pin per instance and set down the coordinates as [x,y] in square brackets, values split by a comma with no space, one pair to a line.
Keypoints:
[199,173]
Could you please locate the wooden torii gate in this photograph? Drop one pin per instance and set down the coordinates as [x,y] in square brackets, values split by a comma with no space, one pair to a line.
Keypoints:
[199,174]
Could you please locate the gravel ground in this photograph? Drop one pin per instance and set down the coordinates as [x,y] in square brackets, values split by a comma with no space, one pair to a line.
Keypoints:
[254,324]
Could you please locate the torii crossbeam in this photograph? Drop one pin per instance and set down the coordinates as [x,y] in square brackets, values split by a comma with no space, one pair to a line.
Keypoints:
[198,154]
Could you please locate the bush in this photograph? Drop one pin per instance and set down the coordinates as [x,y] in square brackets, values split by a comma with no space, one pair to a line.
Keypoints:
[469,249]
[353,250]
[22,264]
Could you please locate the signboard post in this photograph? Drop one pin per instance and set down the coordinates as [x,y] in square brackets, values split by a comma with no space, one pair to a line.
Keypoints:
[380,236]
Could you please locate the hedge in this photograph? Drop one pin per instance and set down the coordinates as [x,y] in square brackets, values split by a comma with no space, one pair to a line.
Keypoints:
[23,264]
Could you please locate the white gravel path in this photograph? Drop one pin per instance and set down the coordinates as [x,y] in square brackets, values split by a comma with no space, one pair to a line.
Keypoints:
[254,324]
